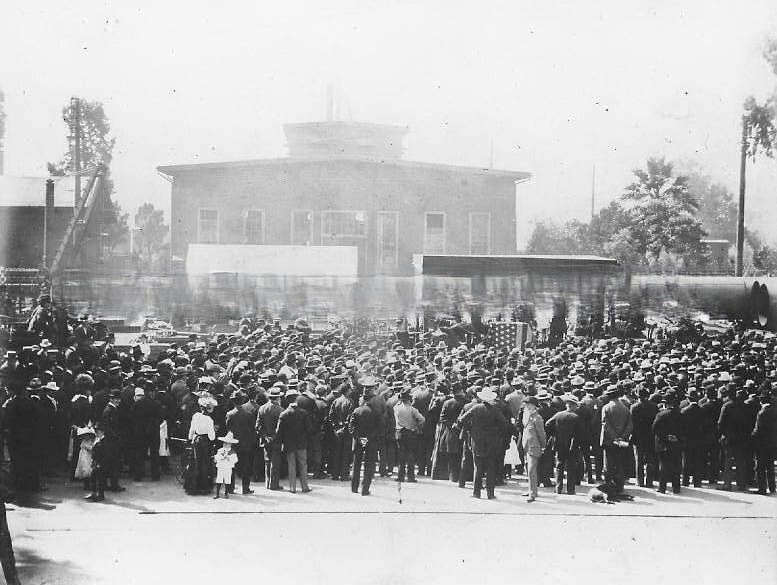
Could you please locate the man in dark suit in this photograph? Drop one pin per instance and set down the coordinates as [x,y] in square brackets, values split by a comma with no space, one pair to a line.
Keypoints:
[710,447]
[487,427]
[145,418]
[339,413]
[765,442]
[693,429]
[567,429]
[113,437]
[243,426]
[366,428]
[294,430]
[643,413]
[266,427]
[667,430]
[734,437]
[422,401]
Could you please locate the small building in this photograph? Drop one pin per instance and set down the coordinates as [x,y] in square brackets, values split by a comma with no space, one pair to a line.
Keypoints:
[25,216]
[345,184]
[719,256]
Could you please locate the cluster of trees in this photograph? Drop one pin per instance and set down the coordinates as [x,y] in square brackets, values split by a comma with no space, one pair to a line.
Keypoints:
[150,230]
[656,220]
[662,216]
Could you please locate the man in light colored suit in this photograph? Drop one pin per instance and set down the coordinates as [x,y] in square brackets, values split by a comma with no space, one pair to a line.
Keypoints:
[614,439]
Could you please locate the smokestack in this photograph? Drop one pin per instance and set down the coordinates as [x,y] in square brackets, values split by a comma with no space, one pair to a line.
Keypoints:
[2,132]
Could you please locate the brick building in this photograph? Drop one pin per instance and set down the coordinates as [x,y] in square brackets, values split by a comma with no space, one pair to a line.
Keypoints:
[346,184]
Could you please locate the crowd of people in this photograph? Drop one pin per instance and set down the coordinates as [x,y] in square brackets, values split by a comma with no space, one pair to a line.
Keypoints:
[269,403]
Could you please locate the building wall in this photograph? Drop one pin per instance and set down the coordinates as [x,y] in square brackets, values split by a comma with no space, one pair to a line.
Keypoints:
[279,187]
[21,234]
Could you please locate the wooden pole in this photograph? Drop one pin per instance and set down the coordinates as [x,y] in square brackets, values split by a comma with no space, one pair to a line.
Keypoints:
[741,210]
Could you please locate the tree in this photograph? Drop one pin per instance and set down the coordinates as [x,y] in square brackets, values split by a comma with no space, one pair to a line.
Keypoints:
[118,227]
[96,145]
[96,148]
[151,232]
[762,124]
[552,238]
[717,206]
[663,214]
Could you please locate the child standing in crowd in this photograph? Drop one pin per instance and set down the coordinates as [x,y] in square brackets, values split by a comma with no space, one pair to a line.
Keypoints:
[225,459]
[84,465]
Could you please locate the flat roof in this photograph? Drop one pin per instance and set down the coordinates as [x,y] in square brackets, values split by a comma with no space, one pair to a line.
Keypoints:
[172,170]
[513,264]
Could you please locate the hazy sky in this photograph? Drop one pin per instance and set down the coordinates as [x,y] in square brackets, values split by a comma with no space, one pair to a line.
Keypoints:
[557,86]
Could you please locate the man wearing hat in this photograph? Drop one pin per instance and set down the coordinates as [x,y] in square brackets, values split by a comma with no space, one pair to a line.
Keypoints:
[643,413]
[145,418]
[765,443]
[366,428]
[339,414]
[616,431]
[408,426]
[422,400]
[294,430]
[487,427]
[710,406]
[111,425]
[266,427]
[734,438]
[534,442]
[667,430]
[242,424]
[567,430]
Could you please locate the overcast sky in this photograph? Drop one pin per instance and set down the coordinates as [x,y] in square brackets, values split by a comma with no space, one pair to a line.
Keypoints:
[557,86]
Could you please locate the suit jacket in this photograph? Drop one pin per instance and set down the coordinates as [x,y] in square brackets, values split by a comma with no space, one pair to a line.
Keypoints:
[366,423]
[692,421]
[567,428]
[616,423]
[340,413]
[267,420]
[145,418]
[710,413]
[294,428]
[534,438]
[243,426]
[765,431]
[487,428]
[668,422]
[111,420]
[643,413]
[733,423]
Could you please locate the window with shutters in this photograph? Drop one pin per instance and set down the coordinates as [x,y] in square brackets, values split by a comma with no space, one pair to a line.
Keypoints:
[208,226]
[434,232]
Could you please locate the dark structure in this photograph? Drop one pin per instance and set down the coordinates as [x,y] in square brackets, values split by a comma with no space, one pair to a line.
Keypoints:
[346,184]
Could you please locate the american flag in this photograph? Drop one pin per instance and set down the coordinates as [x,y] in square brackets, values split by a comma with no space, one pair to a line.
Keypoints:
[508,334]
[503,334]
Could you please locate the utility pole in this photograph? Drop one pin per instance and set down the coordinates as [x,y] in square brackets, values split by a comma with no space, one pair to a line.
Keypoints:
[75,116]
[741,210]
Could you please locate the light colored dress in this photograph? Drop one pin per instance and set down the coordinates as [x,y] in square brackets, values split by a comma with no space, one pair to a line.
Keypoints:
[84,465]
